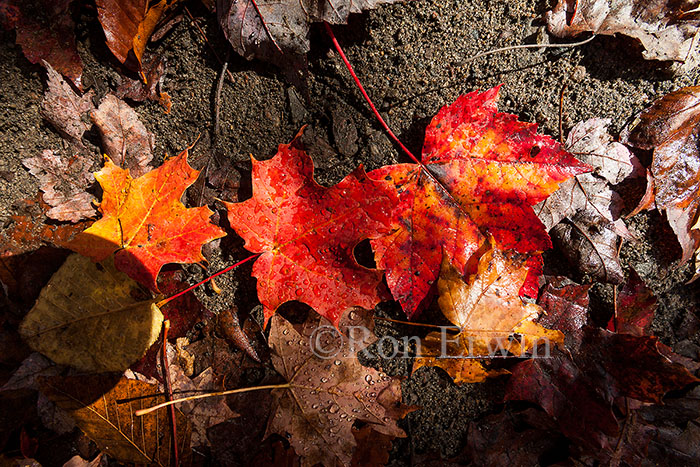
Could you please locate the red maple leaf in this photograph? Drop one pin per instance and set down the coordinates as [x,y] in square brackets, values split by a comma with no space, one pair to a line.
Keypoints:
[481,173]
[306,234]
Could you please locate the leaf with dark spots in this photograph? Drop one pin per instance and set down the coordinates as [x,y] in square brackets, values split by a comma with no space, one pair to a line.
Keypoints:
[636,305]
[64,181]
[125,139]
[666,29]
[326,396]
[65,109]
[46,32]
[306,234]
[566,306]
[480,179]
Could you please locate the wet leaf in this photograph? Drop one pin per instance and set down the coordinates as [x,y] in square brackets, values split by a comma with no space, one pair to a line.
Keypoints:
[145,223]
[566,307]
[65,109]
[671,127]
[487,311]
[372,447]
[483,172]
[230,327]
[329,391]
[306,234]
[125,139]
[103,406]
[46,32]
[666,29]
[92,317]
[64,181]
[128,24]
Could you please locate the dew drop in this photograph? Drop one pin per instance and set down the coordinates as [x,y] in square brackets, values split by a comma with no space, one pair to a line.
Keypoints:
[314,406]
[299,292]
[385,419]
[285,332]
[372,394]
[337,362]
[324,380]
[333,408]
[353,315]
[368,378]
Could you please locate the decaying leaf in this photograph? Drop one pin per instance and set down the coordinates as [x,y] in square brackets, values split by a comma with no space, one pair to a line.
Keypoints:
[153,68]
[671,127]
[483,171]
[488,311]
[665,28]
[271,29]
[566,307]
[125,139]
[103,406]
[128,24]
[329,389]
[589,237]
[306,234]
[46,32]
[64,181]
[145,223]
[636,305]
[65,109]
[92,317]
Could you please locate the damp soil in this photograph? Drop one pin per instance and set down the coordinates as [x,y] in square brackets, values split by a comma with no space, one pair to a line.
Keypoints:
[413,58]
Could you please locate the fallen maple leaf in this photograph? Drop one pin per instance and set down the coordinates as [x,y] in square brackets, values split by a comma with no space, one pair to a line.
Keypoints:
[566,307]
[671,127]
[274,30]
[665,28]
[636,305]
[65,109]
[306,234]
[482,171]
[92,317]
[589,237]
[487,311]
[145,223]
[103,407]
[46,32]
[327,395]
[128,24]
[125,139]
[64,181]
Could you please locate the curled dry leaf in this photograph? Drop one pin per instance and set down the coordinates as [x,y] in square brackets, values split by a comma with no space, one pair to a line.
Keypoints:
[153,68]
[482,172]
[46,32]
[103,407]
[329,389]
[125,139]
[665,28]
[92,317]
[488,311]
[671,128]
[128,24]
[306,234]
[64,181]
[65,109]
[145,223]
[272,29]
[589,237]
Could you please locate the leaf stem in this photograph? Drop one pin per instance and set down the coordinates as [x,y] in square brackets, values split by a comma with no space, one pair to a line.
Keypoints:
[233,266]
[364,93]
[141,412]
[528,46]
[169,389]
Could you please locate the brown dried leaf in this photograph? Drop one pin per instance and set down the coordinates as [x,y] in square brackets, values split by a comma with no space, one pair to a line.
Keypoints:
[128,24]
[230,327]
[327,395]
[125,139]
[665,28]
[103,406]
[46,32]
[487,310]
[153,68]
[64,181]
[65,109]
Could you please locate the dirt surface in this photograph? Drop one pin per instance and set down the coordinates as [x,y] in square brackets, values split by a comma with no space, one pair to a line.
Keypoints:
[413,58]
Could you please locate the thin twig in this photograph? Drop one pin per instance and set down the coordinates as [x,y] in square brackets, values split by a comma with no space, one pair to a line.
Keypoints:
[141,412]
[169,389]
[204,36]
[173,297]
[527,46]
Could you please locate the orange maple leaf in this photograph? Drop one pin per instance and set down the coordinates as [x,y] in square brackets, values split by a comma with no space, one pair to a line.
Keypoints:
[145,223]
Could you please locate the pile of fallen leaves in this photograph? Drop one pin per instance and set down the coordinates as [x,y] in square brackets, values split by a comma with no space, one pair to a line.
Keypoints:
[468,223]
